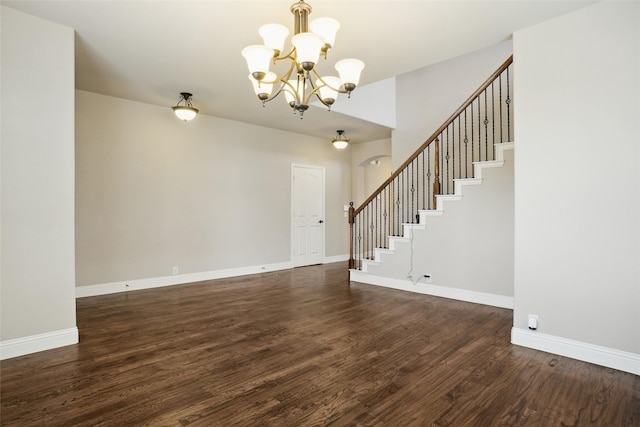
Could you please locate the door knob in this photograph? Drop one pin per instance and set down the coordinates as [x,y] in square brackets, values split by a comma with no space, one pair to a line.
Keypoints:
[321,221]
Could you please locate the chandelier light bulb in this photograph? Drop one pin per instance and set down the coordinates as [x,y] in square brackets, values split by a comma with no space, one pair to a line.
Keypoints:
[328,89]
[308,47]
[274,36]
[349,70]
[264,88]
[327,29]
[258,60]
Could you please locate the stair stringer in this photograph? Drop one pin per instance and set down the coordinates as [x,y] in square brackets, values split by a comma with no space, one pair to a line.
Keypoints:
[442,201]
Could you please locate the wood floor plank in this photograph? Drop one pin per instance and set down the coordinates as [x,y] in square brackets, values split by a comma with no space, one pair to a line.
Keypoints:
[304,347]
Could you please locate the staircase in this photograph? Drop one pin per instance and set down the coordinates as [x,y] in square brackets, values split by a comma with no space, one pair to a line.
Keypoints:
[442,199]
[471,142]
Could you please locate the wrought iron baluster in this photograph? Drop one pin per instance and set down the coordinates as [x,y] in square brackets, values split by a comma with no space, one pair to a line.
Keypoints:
[430,205]
[370,226]
[460,148]
[424,195]
[493,115]
[383,216]
[351,236]
[453,137]
[392,206]
[354,241]
[378,222]
[466,147]
[436,179]
[371,230]
[479,132]
[473,149]
[363,233]
[374,223]
[398,205]
[508,101]
[407,206]
[448,157]
[500,98]
[412,191]
[386,217]
[486,129]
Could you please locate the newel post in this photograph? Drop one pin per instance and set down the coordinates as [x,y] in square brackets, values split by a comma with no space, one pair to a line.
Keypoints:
[351,221]
[436,179]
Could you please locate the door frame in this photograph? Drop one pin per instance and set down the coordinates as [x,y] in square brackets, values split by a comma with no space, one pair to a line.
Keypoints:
[292,212]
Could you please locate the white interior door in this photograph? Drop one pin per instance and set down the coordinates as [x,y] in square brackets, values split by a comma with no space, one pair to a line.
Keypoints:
[307,183]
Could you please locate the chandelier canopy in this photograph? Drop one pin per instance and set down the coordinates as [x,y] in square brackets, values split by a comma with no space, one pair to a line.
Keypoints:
[301,81]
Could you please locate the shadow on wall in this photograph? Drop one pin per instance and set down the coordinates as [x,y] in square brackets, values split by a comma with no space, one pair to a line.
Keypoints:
[376,171]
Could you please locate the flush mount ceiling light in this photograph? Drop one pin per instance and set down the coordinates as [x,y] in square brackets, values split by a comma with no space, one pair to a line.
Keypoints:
[185,112]
[301,81]
[340,141]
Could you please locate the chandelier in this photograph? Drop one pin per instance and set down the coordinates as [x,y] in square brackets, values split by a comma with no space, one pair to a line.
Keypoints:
[301,81]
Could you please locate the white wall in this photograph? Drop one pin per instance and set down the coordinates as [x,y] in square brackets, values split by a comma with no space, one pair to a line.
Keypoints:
[363,184]
[375,102]
[376,173]
[429,96]
[37,222]
[577,182]
[154,192]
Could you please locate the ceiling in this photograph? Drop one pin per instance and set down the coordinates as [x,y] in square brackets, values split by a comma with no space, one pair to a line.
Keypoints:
[149,51]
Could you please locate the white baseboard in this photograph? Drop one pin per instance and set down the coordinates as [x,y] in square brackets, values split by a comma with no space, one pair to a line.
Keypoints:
[494,300]
[335,258]
[598,355]
[40,342]
[178,279]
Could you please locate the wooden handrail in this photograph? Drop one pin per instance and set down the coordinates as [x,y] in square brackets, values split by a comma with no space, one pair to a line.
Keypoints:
[433,137]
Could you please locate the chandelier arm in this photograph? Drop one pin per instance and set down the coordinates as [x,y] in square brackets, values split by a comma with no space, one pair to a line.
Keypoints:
[284,77]
[284,80]
[320,99]
[274,96]
[315,92]
[339,89]
[292,90]
[291,55]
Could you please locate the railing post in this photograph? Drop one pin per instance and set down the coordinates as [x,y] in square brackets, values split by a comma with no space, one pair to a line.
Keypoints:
[352,264]
[436,179]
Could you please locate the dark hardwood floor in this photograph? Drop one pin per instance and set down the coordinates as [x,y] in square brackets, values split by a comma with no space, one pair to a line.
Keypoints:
[304,347]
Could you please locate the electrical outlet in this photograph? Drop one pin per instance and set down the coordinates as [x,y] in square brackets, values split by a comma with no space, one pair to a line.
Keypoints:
[176,270]
[427,278]
[532,322]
